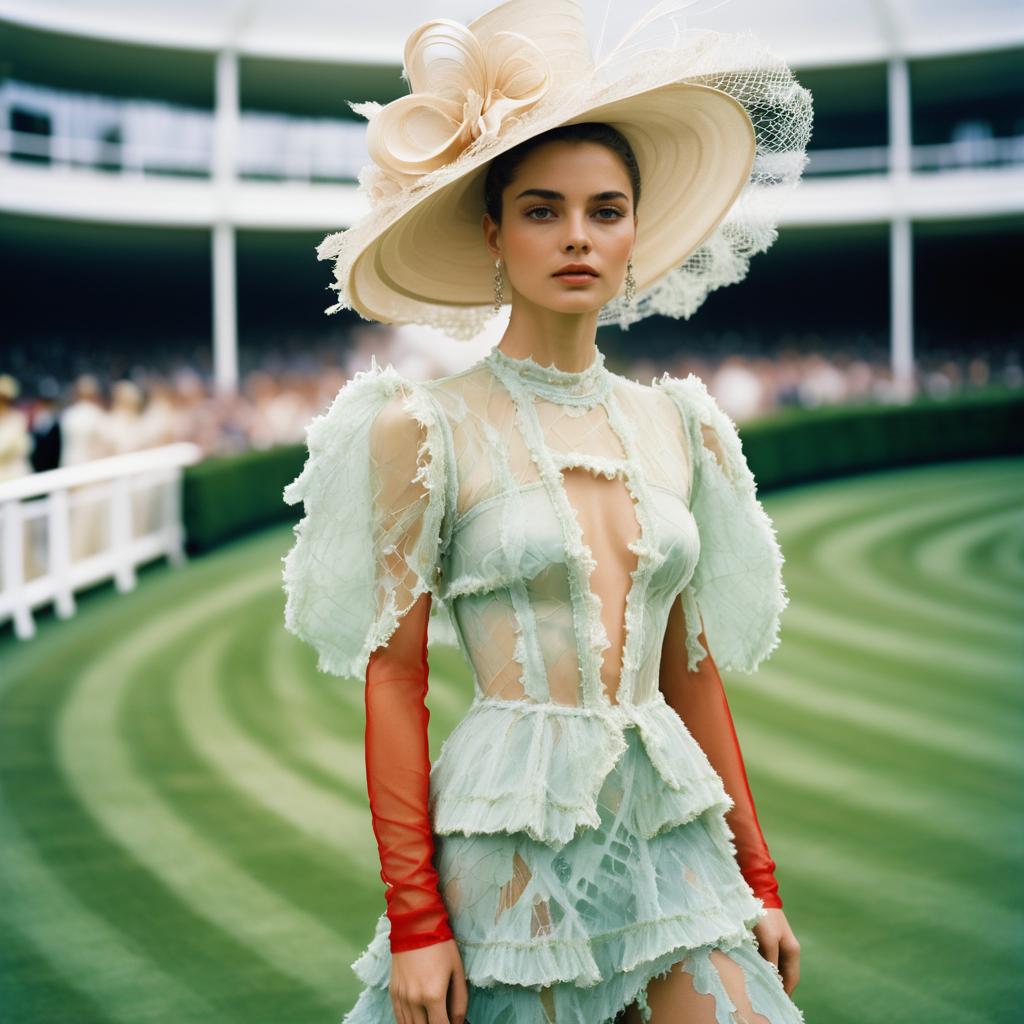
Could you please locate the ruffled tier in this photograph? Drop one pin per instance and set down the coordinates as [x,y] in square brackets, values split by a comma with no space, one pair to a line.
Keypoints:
[507,1004]
[579,930]
[514,766]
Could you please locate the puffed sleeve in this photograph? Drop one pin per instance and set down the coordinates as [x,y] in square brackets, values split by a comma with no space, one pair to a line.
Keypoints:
[736,594]
[374,490]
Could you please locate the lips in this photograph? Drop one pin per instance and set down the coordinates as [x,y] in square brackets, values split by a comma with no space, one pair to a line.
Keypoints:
[576,270]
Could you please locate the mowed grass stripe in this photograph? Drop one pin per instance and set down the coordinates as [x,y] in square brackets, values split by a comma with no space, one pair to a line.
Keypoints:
[74,855]
[80,946]
[857,966]
[863,554]
[832,692]
[963,562]
[889,784]
[947,689]
[247,704]
[879,766]
[1007,562]
[295,719]
[99,767]
[307,874]
[866,869]
[256,840]
[939,559]
[820,601]
[33,988]
[938,813]
[812,511]
[990,669]
[320,813]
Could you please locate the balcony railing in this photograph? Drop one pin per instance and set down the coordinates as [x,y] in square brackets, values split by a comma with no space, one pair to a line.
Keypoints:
[303,164]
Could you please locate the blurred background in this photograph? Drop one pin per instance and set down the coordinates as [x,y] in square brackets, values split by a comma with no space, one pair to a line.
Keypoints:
[183,819]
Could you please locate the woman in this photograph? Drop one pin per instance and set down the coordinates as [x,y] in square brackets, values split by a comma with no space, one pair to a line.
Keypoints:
[585,848]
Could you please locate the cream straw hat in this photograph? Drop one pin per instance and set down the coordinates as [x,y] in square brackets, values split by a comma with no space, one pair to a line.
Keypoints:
[718,124]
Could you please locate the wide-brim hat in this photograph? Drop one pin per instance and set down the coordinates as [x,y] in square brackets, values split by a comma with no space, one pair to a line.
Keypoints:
[717,122]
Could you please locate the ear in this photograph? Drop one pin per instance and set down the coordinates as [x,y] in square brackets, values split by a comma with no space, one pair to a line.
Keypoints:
[492,236]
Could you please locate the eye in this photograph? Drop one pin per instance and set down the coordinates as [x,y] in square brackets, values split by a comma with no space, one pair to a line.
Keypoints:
[610,209]
[539,209]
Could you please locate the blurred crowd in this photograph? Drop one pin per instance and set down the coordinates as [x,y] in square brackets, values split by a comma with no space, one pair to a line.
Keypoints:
[54,424]
[93,418]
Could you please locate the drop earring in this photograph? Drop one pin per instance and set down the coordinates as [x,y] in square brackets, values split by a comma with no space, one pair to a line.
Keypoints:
[499,291]
[630,282]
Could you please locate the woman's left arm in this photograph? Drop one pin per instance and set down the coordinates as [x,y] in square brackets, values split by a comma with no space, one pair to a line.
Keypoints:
[698,697]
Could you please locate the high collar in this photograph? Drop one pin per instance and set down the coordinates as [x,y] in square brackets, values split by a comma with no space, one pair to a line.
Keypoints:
[566,387]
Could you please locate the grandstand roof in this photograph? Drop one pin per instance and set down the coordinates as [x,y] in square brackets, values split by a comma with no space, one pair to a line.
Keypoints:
[805,32]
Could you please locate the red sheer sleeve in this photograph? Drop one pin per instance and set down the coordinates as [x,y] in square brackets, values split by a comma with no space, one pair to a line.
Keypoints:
[397,781]
[699,699]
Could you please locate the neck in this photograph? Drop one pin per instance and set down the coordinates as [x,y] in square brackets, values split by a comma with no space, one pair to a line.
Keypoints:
[567,340]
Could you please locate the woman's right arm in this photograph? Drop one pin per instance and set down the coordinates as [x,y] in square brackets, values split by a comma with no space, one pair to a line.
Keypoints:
[428,984]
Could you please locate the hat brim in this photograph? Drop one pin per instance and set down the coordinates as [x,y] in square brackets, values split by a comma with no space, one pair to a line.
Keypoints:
[695,148]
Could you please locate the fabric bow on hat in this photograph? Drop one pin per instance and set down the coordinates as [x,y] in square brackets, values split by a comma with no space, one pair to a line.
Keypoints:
[462,89]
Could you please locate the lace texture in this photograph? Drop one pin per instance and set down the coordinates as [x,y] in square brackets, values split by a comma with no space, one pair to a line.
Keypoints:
[577,531]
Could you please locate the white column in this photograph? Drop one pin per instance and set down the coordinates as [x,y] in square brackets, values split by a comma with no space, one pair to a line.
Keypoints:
[225,323]
[901,251]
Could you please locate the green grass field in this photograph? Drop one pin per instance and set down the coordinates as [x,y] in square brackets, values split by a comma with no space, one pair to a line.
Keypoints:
[184,830]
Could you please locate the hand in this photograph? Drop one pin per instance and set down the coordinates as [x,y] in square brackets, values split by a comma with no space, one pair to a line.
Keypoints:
[428,985]
[779,946]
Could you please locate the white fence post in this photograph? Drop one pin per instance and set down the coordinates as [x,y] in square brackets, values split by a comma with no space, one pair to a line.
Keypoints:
[56,569]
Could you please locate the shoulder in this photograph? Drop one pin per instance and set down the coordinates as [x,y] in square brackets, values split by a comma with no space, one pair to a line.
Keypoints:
[399,407]
[699,408]
[690,393]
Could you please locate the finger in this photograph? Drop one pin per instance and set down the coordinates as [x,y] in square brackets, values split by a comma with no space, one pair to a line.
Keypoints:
[437,1013]
[398,1008]
[458,999]
[790,966]
[418,1013]
[770,950]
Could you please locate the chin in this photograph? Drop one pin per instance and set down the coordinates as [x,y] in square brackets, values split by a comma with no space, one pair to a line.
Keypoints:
[568,302]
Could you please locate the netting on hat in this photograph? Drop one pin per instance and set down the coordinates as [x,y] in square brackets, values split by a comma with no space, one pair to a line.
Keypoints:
[661,51]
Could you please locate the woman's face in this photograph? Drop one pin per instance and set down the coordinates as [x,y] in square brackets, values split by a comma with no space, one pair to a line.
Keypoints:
[570,202]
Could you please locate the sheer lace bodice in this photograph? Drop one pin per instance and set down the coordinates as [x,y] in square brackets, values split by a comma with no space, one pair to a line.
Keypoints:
[555,520]
[571,535]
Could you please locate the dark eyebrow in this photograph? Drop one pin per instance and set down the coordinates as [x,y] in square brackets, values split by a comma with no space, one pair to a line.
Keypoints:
[546,193]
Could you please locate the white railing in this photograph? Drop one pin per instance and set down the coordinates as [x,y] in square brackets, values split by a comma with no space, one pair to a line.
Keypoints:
[65,529]
[303,164]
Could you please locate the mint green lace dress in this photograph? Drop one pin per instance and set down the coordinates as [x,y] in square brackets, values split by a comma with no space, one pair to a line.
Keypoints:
[580,838]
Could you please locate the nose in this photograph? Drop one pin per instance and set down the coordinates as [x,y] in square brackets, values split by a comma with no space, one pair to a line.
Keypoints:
[576,238]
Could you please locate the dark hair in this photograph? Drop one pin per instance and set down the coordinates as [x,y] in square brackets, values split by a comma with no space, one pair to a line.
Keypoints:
[502,169]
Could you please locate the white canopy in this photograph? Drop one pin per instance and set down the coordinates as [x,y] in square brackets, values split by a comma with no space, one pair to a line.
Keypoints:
[805,32]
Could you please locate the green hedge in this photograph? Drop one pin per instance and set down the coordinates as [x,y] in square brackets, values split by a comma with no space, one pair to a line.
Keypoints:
[230,496]
[226,497]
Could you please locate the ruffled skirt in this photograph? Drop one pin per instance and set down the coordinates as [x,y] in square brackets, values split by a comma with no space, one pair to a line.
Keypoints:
[573,933]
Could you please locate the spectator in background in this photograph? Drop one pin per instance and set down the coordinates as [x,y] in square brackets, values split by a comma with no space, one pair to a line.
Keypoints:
[123,425]
[738,388]
[14,436]
[126,430]
[83,424]
[45,427]
[160,422]
[83,427]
